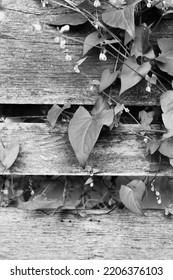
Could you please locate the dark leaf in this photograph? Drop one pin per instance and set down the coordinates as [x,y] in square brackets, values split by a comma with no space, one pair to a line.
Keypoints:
[87,6]
[129,78]
[70,19]
[141,45]
[107,78]
[132,195]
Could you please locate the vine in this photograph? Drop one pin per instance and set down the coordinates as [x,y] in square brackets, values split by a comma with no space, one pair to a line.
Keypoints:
[122,33]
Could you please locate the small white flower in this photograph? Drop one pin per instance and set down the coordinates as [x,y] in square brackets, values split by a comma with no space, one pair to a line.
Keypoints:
[159,201]
[68,57]
[63,43]
[57,39]
[126,110]
[76,69]
[5,191]
[97,3]
[148,88]
[157,193]
[102,56]
[44,3]
[91,184]
[152,188]
[65,28]
[32,192]
[146,139]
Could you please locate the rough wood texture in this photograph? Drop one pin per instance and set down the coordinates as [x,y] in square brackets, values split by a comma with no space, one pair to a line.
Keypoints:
[121,235]
[47,151]
[33,68]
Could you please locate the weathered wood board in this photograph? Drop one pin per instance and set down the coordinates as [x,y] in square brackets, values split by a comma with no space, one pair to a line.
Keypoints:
[33,68]
[47,151]
[119,235]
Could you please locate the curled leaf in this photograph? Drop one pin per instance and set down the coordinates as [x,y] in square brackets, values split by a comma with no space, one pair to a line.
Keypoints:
[55,112]
[132,195]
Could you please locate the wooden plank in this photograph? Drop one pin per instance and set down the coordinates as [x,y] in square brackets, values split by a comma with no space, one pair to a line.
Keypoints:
[33,68]
[120,235]
[46,151]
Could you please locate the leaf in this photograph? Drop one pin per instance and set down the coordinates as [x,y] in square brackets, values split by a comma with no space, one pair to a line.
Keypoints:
[100,105]
[40,202]
[129,78]
[9,154]
[55,112]
[87,6]
[165,59]
[146,118]
[132,194]
[92,40]
[166,102]
[2,152]
[83,133]
[141,45]
[153,146]
[166,147]
[70,19]
[107,78]
[168,121]
[84,129]
[105,117]
[121,18]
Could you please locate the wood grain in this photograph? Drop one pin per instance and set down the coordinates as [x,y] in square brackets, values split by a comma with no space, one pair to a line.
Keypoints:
[33,68]
[120,235]
[48,151]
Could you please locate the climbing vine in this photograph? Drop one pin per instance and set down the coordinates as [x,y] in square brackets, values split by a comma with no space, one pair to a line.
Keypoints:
[122,32]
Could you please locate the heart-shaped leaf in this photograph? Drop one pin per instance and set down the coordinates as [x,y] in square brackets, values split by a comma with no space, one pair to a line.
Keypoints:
[92,40]
[146,118]
[129,75]
[132,195]
[153,146]
[122,18]
[166,56]
[84,129]
[107,78]
[166,147]
[8,155]
[83,133]
[55,112]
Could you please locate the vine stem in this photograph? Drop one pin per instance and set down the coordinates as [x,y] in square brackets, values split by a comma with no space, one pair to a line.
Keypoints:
[112,34]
